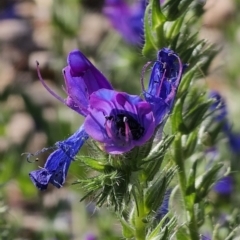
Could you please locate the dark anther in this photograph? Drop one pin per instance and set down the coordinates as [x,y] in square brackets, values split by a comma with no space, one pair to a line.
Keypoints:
[136,129]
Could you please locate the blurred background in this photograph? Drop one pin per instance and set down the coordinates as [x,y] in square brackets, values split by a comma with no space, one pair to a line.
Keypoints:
[31,119]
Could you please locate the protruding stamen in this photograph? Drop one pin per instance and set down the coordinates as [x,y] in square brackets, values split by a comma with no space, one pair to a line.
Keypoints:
[108,129]
[180,70]
[46,86]
[128,134]
[161,82]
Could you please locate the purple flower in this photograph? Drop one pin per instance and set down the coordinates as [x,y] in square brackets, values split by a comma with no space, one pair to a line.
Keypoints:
[8,10]
[81,79]
[220,115]
[90,236]
[224,186]
[205,237]
[163,84]
[219,106]
[119,121]
[127,19]
[57,165]
[163,209]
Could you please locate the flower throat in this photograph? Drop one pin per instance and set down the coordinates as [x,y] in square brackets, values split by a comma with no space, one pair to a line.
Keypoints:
[122,122]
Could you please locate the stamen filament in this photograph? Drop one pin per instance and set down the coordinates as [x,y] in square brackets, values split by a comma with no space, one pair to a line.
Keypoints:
[128,134]
[46,86]
[161,82]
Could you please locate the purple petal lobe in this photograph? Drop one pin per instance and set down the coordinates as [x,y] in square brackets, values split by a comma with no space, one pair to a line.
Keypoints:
[40,178]
[78,63]
[80,66]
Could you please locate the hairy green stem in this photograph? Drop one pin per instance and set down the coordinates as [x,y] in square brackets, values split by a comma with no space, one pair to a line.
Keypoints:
[189,207]
[139,212]
[139,226]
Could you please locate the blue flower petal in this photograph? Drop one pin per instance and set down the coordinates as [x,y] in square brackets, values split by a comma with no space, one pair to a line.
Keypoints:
[57,165]
[163,83]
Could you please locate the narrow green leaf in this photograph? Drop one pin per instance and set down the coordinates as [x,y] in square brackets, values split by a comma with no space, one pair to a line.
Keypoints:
[204,182]
[94,163]
[149,47]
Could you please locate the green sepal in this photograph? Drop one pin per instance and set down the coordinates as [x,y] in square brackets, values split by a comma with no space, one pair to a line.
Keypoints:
[195,116]
[190,146]
[182,233]
[190,189]
[175,9]
[133,160]
[185,82]
[162,230]
[209,137]
[97,165]
[111,187]
[150,47]
[204,182]
[151,164]
[157,16]
[158,20]
[174,29]
[210,51]
[174,41]
[155,193]
[177,119]
[127,229]
[187,55]
[171,9]
[164,234]
[201,213]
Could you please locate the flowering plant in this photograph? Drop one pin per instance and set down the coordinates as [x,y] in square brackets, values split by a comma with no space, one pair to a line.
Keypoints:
[146,150]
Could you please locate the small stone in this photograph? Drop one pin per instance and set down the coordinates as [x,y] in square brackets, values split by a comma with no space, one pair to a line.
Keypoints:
[20,125]
[12,29]
[218,12]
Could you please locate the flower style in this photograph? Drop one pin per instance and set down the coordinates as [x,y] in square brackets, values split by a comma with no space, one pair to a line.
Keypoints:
[127,20]
[81,79]
[118,120]
[163,84]
[57,164]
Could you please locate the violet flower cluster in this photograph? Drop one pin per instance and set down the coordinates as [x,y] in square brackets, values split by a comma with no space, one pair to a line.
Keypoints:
[225,185]
[127,19]
[220,108]
[118,121]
